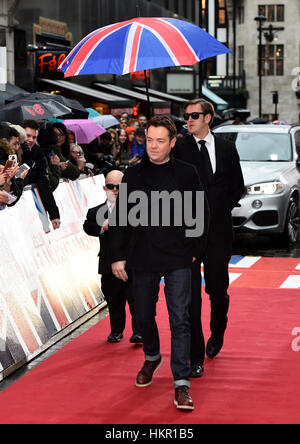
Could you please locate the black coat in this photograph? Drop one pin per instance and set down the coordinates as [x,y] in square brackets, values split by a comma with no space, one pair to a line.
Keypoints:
[38,174]
[227,186]
[157,248]
[92,228]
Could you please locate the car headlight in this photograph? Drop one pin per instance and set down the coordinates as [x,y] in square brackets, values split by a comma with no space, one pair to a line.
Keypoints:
[266,188]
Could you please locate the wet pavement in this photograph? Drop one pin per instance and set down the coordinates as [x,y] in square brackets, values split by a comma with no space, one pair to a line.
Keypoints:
[247,244]
[244,244]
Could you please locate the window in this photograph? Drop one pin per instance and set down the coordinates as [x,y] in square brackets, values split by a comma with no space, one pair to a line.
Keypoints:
[176,6]
[221,14]
[272,63]
[203,14]
[274,13]
[241,56]
[185,9]
[241,15]
[167,4]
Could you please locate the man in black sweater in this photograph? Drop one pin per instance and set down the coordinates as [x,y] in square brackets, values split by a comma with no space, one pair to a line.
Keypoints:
[220,173]
[162,246]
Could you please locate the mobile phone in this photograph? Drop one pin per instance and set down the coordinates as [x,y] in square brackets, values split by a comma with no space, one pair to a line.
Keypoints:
[23,167]
[8,164]
[14,158]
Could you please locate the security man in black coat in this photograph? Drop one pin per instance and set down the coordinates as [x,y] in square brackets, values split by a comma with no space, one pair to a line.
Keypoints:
[115,291]
[218,166]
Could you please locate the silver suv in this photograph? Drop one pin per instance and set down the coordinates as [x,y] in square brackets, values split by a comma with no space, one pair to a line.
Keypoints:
[270,163]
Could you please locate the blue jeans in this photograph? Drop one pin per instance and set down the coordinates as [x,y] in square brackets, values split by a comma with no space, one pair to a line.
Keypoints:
[178,297]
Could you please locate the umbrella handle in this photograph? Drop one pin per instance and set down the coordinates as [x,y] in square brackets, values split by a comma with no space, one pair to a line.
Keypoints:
[148,97]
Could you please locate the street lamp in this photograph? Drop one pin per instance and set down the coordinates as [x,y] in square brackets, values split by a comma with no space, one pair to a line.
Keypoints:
[260,19]
[269,36]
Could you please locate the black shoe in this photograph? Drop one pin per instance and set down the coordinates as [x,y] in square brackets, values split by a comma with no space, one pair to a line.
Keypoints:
[196,370]
[214,346]
[136,339]
[115,337]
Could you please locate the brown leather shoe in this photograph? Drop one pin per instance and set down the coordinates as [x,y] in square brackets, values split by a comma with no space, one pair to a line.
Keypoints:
[144,376]
[182,400]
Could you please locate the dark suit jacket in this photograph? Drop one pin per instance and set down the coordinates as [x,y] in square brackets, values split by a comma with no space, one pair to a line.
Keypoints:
[157,248]
[227,187]
[92,228]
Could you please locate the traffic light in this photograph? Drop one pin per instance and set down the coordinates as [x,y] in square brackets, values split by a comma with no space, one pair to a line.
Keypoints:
[275,97]
[135,111]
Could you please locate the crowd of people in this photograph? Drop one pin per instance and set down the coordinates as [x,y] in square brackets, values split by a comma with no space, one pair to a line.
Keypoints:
[43,153]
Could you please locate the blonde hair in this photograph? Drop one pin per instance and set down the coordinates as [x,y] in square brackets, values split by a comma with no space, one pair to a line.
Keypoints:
[21,131]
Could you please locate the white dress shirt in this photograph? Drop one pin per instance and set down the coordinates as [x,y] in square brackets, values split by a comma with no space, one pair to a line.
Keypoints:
[210,145]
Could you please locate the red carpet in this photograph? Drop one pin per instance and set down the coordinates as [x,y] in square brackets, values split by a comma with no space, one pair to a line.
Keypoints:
[255,379]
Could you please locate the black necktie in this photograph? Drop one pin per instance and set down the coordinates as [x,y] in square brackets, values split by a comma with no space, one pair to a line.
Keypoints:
[206,168]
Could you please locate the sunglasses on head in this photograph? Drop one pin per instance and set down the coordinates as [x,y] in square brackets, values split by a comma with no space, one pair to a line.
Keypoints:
[111,186]
[194,115]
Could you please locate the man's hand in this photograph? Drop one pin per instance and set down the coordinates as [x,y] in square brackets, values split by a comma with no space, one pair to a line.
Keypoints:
[118,269]
[55,224]
[105,225]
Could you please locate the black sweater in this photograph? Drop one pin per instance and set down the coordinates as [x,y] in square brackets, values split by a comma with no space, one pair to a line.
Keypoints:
[155,246]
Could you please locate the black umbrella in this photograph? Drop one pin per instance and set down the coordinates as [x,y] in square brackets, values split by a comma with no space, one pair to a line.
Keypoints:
[258,120]
[22,109]
[78,111]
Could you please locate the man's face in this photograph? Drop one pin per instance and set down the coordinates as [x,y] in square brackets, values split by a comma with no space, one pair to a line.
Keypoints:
[197,127]
[140,139]
[111,187]
[31,137]
[158,144]
[142,121]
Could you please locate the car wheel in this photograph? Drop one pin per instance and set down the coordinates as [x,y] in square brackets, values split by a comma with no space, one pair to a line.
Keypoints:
[291,229]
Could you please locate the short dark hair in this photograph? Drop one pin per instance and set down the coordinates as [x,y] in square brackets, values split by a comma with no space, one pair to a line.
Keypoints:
[12,133]
[164,121]
[206,106]
[30,123]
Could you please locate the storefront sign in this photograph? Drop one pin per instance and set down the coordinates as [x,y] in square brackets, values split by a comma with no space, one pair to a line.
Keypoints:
[180,83]
[47,63]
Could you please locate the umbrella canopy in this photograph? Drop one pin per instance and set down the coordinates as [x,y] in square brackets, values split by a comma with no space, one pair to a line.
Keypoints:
[141,44]
[20,110]
[107,120]
[92,113]
[85,130]
[78,111]
[280,122]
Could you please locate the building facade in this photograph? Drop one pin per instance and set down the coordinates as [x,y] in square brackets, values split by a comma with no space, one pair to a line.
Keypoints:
[64,23]
[277,65]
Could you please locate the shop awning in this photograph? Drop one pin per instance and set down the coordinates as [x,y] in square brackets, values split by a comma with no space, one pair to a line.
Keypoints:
[209,94]
[138,96]
[111,99]
[162,95]
[213,97]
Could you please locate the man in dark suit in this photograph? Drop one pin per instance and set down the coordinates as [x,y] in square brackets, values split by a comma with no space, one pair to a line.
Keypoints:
[158,248]
[116,292]
[218,166]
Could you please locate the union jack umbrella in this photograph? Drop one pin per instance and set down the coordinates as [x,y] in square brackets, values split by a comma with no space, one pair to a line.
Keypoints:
[140,44]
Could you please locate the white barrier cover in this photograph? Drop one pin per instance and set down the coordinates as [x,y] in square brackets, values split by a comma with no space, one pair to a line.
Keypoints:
[48,279]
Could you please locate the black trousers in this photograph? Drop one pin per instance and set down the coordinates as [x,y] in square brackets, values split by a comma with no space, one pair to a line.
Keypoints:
[117,293]
[215,261]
